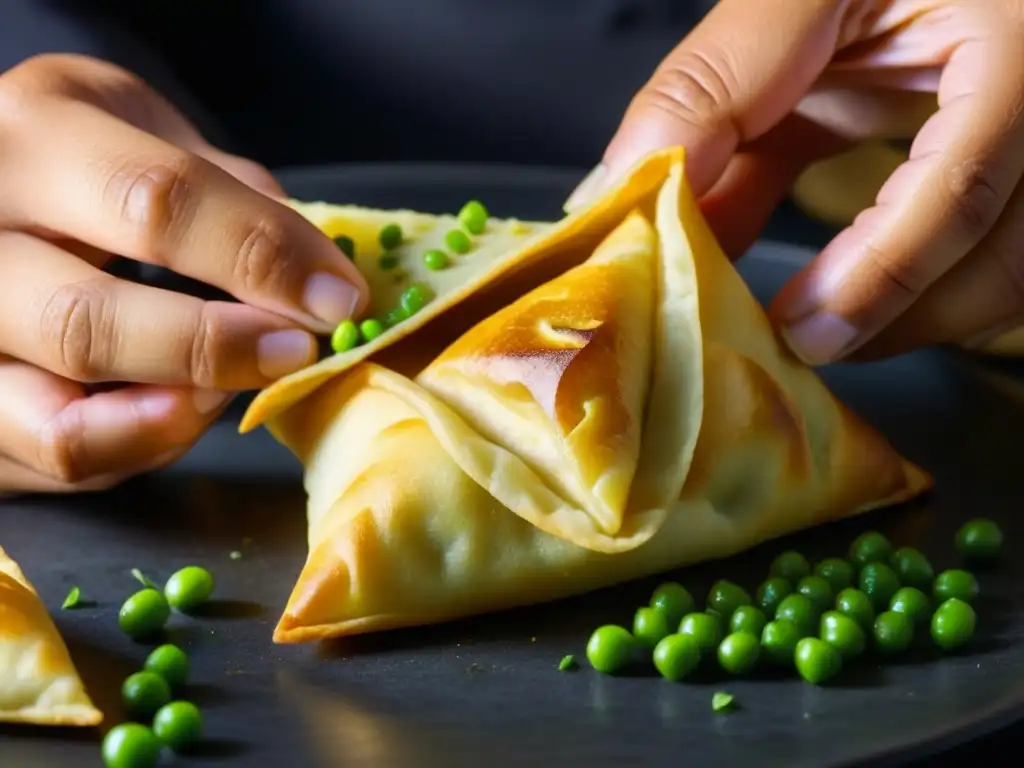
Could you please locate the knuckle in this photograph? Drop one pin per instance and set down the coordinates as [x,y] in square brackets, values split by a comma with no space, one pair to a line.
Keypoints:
[901,274]
[974,201]
[208,340]
[694,87]
[74,327]
[60,446]
[153,201]
[261,258]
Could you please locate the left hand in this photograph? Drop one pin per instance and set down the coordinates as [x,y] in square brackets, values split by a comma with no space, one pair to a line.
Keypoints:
[940,256]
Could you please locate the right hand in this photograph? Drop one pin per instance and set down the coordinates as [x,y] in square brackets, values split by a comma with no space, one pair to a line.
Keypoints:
[93,163]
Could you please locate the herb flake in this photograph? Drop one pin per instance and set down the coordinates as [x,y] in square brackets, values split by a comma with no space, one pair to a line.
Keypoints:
[721,701]
[73,600]
[567,663]
[144,580]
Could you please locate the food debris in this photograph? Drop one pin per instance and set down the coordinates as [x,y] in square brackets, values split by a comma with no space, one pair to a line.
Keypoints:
[721,701]
[567,663]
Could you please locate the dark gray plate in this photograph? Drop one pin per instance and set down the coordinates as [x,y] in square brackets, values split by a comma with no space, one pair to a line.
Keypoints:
[486,691]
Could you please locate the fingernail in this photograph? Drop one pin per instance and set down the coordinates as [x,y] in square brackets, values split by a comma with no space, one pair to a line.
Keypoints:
[282,352]
[587,189]
[330,298]
[208,400]
[819,338]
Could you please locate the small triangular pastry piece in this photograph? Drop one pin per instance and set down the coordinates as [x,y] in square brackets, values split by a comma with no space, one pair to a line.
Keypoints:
[549,451]
[38,680]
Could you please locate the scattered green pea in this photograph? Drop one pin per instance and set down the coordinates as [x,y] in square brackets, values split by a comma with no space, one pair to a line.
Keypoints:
[855,604]
[800,610]
[817,661]
[73,600]
[130,745]
[721,701]
[739,653]
[370,329]
[979,541]
[842,633]
[179,725]
[650,626]
[705,628]
[674,600]
[457,241]
[170,662]
[778,642]
[870,547]
[610,649]
[144,614]
[912,568]
[818,591]
[879,582]
[748,619]
[676,656]
[771,593]
[190,587]
[414,298]
[144,693]
[435,259]
[395,316]
[893,632]
[387,261]
[955,583]
[791,566]
[346,245]
[953,624]
[567,663]
[345,337]
[473,217]
[837,572]
[913,603]
[390,237]
[725,597]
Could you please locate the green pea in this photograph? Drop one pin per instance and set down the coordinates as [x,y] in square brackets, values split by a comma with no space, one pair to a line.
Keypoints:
[879,582]
[705,628]
[650,626]
[130,745]
[739,653]
[979,541]
[800,610]
[190,587]
[674,600]
[473,217]
[837,572]
[817,590]
[747,619]
[893,632]
[771,593]
[414,298]
[953,624]
[816,660]
[912,568]
[842,633]
[870,547]
[610,649]
[346,245]
[568,662]
[387,261]
[345,337]
[458,241]
[144,693]
[913,603]
[725,597]
[370,329]
[179,725]
[435,259]
[390,237]
[855,604]
[955,583]
[778,640]
[791,566]
[170,662]
[395,316]
[144,614]
[676,656]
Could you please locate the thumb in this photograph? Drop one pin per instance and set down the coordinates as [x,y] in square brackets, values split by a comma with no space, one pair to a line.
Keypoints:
[725,85]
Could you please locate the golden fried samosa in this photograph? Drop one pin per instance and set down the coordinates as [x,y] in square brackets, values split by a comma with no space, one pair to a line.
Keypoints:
[632,415]
[38,681]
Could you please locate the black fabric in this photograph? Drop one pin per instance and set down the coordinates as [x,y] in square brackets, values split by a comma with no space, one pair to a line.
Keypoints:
[311,81]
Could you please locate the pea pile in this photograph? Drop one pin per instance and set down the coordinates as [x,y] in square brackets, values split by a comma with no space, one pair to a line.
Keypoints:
[472,220]
[815,621]
[149,694]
